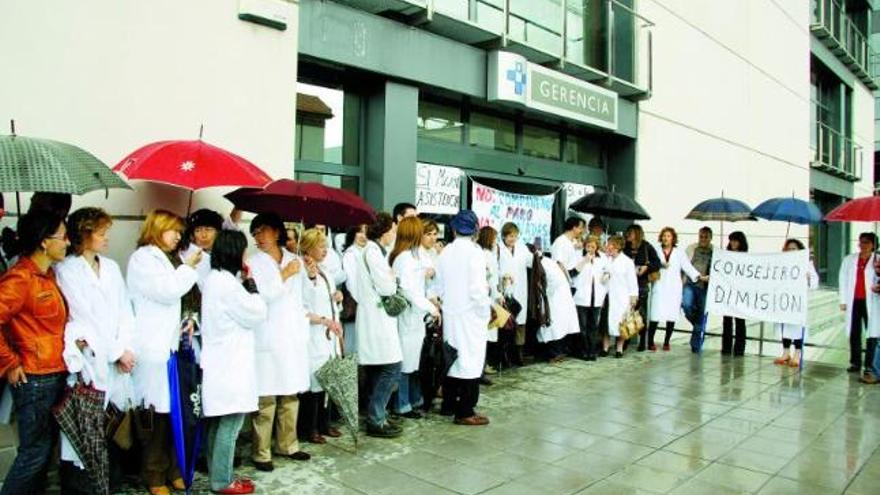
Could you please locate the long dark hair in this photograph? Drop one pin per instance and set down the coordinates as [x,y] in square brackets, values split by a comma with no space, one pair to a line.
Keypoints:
[36,226]
[228,250]
[741,239]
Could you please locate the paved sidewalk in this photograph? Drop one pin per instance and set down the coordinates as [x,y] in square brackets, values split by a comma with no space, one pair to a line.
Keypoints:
[649,423]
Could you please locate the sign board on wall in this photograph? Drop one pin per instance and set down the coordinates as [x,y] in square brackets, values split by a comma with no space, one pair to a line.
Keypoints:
[766,287]
[532,214]
[438,189]
[513,78]
[574,192]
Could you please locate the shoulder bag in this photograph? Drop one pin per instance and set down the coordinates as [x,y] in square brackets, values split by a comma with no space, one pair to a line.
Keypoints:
[395,303]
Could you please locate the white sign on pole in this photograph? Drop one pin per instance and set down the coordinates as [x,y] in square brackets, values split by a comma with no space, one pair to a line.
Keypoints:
[767,287]
[574,192]
[438,189]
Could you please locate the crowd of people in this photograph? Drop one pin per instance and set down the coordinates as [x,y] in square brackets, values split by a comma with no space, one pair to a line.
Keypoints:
[264,324]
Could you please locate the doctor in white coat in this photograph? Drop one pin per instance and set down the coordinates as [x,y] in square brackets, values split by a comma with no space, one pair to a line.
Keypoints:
[856,279]
[514,262]
[202,228]
[666,292]
[564,248]
[622,285]
[156,288]
[97,337]
[563,314]
[232,313]
[355,241]
[282,343]
[410,271]
[589,296]
[464,292]
[378,341]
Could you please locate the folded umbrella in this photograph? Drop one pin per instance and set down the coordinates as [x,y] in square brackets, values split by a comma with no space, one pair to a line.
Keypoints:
[307,202]
[610,204]
[185,385]
[339,378]
[80,415]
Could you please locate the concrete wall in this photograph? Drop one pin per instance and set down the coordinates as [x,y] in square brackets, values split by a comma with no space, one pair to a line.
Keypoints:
[112,75]
[730,111]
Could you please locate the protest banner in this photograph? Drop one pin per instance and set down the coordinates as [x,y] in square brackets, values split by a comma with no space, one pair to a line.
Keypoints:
[438,189]
[532,214]
[767,287]
[574,192]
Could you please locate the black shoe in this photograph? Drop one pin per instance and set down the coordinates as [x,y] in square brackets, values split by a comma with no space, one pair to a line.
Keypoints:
[385,431]
[412,415]
[591,357]
[641,348]
[202,465]
[394,421]
[447,412]
[618,355]
[486,381]
[854,369]
[298,456]
[264,466]
[603,354]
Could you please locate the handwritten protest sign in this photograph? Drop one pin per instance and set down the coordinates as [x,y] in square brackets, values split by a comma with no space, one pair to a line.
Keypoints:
[532,214]
[766,287]
[438,189]
[574,192]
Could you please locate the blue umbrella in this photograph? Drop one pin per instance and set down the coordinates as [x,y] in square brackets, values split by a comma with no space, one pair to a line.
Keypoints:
[791,210]
[721,210]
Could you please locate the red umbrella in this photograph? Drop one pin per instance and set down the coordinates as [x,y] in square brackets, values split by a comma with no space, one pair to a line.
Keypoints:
[857,210]
[307,202]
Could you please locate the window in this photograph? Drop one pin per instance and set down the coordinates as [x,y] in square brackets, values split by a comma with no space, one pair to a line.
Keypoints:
[540,142]
[582,151]
[348,183]
[487,131]
[326,125]
[440,122]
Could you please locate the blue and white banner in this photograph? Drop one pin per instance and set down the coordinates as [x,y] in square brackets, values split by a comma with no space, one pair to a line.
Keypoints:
[532,214]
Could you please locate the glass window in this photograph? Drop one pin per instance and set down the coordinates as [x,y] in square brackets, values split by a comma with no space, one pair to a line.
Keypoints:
[582,151]
[441,122]
[540,142]
[326,125]
[346,182]
[487,131]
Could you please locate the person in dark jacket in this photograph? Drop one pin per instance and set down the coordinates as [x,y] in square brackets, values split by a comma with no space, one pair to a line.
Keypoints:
[736,241]
[647,263]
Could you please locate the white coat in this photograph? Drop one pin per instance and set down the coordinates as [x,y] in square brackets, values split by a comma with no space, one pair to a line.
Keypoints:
[493,279]
[282,341]
[332,268]
[563,251]
[795,332]
[229,368]
[377,338]
[622,285]
[350,267]
[318,298]
[428,259]
[563,314]
[100,313]
[846,288]
[666,292]
[514,264]
[155,288]
[462,286]
[408,268]
[591,291]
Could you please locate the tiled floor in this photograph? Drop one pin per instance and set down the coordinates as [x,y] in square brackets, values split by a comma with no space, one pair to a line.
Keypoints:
[650,423]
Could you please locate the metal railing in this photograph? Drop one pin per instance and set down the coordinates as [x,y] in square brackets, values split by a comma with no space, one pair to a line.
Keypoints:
[837,153]
[831,21]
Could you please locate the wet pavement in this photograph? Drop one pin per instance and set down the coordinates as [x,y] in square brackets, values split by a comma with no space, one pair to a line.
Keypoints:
[648,423]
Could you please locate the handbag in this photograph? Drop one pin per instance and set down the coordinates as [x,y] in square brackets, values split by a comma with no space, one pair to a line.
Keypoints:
[118,426]
[349,306]
[631,324]
[395,303]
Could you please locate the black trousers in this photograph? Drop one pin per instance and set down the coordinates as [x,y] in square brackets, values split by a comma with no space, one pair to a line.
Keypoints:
[652,329]
[588,319]
[798,344]
[461,396]
[313,416]
[728,342]
[859,320]
[642,308]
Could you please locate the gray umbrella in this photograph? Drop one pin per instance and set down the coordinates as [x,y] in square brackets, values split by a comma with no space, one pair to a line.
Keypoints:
[32,164]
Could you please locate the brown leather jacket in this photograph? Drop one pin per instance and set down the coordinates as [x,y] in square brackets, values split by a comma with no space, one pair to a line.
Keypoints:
[33,315]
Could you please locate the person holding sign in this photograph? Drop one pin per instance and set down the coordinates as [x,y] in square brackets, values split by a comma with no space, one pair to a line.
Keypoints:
[736,241]
[666,294]
[693,297]
[619,277]
[856,279]
[795,333]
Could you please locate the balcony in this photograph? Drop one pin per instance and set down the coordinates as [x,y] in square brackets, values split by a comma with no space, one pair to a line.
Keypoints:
[602,41]
[831,24]
[836,154]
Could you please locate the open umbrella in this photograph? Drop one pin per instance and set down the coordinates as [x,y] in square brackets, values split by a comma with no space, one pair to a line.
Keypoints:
[191,165]
[721,210]
[31,164]
[339,378]
[865,209]
[184,380]
[307,202]
[791,210]
[611,204]
[80,415]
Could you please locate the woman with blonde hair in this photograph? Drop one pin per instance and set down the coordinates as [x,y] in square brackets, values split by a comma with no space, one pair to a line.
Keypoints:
[325,334]
[589,296]
[156,288]
[409,270]
[619,277]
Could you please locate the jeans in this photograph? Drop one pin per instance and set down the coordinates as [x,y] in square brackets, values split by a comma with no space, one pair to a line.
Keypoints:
[875,366]
[222,433]
[409,393]
[37,432]
[693,303]
[382,378]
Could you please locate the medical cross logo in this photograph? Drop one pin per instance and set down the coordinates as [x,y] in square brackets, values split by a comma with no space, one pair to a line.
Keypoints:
[517,75]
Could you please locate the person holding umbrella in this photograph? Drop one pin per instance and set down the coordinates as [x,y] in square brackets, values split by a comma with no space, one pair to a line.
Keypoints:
[232,312]
[325,334]
[647,265]
[282,343]
[156,288]
[99,332]
[795,334]
[33,311]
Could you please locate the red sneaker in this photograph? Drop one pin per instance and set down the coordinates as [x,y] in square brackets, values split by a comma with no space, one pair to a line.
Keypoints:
[237,487]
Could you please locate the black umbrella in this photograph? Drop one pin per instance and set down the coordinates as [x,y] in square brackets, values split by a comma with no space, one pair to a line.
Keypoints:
[610,204]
